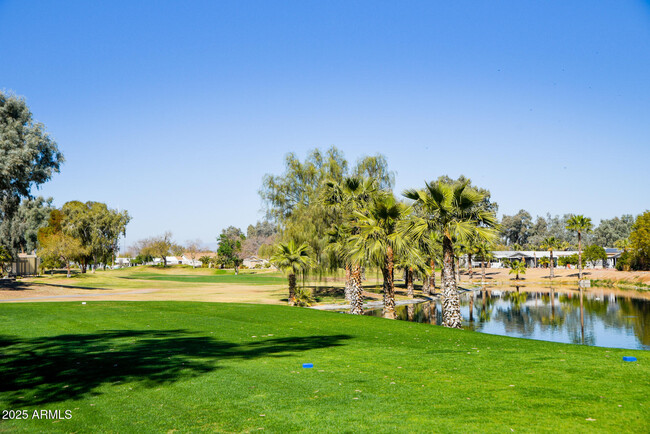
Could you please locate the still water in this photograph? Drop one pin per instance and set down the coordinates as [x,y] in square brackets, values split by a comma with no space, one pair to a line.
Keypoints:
[611,318]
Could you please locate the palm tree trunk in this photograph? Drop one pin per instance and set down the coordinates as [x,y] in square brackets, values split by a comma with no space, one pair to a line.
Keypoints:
[348,283]
[389,285]
[292,289]
[580,263]
[450,301]
[469,265]
[409,282]
[432,277]
[483,271]
[552,264]
[356,305]
[426,290]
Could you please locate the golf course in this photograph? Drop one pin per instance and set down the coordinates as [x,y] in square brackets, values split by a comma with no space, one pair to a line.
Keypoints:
[143,366]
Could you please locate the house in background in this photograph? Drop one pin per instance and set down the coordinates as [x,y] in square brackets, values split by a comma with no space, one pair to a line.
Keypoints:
[122,262]
[187,258]
[532,257]
[25,265]
[612,257]
[254,261]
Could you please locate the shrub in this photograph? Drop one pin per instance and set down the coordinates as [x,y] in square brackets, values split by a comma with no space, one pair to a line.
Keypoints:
[304,297]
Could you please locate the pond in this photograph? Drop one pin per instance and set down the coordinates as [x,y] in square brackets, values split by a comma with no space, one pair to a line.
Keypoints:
[610,318]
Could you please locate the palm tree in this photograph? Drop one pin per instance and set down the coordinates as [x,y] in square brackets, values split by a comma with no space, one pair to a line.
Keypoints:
[429,248]
[581,225]
[518,267]
[454,211]
[411,262]
[550,244]
[380,237]
[292,260]
[346,197]
[484,251]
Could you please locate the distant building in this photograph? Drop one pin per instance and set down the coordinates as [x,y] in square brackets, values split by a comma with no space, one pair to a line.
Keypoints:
[187,258]
[25,265]
[254,261]
[532,257]
[122,262]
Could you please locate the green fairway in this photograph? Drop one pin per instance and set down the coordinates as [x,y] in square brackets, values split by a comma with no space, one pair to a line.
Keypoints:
[165,366]
[242,278]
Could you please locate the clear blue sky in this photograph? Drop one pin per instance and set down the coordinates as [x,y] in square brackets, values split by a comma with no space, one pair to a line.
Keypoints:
[175,110]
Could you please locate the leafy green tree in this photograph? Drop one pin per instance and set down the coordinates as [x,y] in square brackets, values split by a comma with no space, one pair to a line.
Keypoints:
[28,157]
[517,267]
[516,228]
[265,251]
[581,225]
[20,233]
[375,167]
[258,235]
[380,237]
[595,253]
[205,261]
[292,259]
[230,247]
[640,242]
[300,184]
[142,259]
[97,227]
[567,260]
[538,231]
[5,260]
[622,244]
[62,247]
[158,246]
[458,213]
[56,246]
[610,231]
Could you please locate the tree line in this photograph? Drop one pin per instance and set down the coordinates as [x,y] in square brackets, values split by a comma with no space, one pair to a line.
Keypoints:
[233,247]
[332,215]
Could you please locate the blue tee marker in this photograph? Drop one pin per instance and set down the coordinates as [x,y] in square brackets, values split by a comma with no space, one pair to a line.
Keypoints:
[307,365]
[629,359]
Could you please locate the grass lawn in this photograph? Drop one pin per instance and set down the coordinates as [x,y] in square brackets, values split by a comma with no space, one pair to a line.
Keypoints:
[158,277]
[165,366]
[242,278]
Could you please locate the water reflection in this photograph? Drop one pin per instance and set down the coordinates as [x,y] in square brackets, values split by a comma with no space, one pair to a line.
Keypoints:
[607,318]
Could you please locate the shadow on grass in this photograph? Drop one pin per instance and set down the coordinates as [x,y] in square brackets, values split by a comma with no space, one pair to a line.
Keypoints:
[57,368]
[17,285]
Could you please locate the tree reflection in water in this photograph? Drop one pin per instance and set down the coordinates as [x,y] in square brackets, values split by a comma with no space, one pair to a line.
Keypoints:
[611,318]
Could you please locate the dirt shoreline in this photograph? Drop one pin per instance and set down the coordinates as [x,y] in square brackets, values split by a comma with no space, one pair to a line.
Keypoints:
[562,275]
